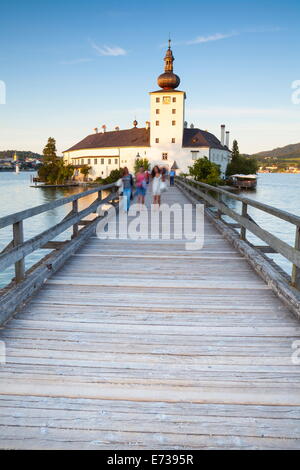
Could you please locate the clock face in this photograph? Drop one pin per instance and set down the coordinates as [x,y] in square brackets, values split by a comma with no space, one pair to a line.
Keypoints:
[166,99]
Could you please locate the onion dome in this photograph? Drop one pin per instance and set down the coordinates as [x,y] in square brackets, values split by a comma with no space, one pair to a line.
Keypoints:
[135,123]
[168,80]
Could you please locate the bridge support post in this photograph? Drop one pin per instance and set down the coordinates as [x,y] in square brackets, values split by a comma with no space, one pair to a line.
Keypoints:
[244,214]
[75,211]
[18,239]
[296,270]
[219,199]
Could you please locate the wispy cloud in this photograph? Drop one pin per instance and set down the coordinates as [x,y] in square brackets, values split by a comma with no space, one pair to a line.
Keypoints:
[75,61]
[221,36]
[211,37]
[108,50]
[203,39]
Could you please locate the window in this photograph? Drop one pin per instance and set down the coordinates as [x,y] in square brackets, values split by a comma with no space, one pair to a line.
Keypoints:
[157,140]
[174,99]
[109,161]
[95,161]
[157,111]
[102,161]
[157,100]
[165,156]
[157,123]
[116,161]
[89,161]
[173,111]
[82,161]
[173,140]
[195,154]
[173,123]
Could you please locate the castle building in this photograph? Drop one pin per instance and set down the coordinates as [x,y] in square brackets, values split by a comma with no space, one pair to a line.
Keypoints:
[165,140]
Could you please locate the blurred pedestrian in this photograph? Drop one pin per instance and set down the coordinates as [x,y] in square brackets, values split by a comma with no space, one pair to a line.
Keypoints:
[127,181]
[140,182]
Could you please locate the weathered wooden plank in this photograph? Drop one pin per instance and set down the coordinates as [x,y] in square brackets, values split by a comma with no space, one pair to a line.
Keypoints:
[135,421]
[151,347]
[43,386]
[45,438]
[18,241]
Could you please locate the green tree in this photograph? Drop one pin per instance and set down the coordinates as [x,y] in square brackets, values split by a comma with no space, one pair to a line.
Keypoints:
[141,162]
[49,151]
[112,178]
[85,171]
[54,170]
[205,171]
[240,164]
[235,151]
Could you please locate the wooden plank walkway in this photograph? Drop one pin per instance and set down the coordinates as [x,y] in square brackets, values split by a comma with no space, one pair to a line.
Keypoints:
[144,345]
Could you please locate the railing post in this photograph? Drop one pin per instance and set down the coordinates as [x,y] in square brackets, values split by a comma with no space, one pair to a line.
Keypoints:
[75,211]
[244,214]
[296,270]
[219,199]
[18,239]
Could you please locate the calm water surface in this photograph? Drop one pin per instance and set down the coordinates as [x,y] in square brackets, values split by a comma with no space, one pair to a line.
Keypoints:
[282,191]
[16,195]
[279,190]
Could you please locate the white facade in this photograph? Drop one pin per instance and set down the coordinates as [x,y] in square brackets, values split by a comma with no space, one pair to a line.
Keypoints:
[103,160]
[169,140]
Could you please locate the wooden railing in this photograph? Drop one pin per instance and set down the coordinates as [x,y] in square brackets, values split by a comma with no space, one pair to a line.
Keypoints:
[25,283]
[212,197]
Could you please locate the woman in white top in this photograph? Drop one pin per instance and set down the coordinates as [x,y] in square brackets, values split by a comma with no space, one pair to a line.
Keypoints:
[156,185]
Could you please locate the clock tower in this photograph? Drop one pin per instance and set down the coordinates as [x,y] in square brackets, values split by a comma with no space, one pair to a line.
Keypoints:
[167,114]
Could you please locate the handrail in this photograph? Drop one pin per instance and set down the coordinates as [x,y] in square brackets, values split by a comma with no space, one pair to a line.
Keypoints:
[25,214]
[16,251]
[284,215]
[274,244]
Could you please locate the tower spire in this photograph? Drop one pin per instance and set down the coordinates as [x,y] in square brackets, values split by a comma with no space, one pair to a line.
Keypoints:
[168,80]
[169,59]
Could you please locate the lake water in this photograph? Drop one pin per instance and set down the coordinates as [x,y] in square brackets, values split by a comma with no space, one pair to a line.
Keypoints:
[16,195]
[279,190]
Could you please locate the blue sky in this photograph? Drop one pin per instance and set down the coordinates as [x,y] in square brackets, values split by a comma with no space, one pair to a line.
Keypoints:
[74,65]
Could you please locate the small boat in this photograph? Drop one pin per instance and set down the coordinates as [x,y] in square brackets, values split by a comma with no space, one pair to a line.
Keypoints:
[244,181]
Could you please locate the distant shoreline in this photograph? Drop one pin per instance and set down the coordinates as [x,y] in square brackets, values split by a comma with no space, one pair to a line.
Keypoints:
[279,172]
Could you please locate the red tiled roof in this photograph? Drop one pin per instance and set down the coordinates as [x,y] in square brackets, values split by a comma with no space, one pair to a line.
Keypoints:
[135,137]
[140,137]
[199,138]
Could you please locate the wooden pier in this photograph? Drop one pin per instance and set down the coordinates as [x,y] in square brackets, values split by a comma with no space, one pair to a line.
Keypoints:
[146,345]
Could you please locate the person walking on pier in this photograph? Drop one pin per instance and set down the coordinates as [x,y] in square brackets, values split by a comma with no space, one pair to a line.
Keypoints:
[156,185]
[172,177]
[127,181]
[141,185]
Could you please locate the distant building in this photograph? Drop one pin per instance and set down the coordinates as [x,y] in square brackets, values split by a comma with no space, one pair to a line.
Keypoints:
[165,140]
